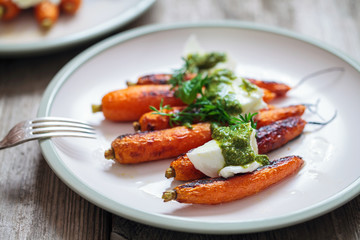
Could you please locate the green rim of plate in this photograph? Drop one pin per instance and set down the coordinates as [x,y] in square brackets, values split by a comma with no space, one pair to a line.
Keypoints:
[51,45]
[172,222]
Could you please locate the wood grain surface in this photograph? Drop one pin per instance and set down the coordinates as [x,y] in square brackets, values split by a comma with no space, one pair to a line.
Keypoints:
[36,204]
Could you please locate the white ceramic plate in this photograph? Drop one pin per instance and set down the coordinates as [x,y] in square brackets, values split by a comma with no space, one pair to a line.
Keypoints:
[94,19]
[329,178]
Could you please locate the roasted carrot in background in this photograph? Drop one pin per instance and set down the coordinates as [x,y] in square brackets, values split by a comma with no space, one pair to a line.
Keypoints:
[70,6]
[156,145]
[164,78]
[8,10]
[222,190]
[46,14]
[280,89]
[267,117]
[131,103]
[268,138]
[151,121]
[159,78]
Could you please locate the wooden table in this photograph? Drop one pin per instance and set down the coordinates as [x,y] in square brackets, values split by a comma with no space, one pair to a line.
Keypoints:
[35,204]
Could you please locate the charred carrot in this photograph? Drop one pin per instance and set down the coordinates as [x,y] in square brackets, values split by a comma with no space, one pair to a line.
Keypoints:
[162,78]
[159,78]
[151,121]
[280,89]
[267,117]
[149,146]
[221,190]
[8,10]
[70,6]
[268,138]
[131,103]
[46,14]
[279,133]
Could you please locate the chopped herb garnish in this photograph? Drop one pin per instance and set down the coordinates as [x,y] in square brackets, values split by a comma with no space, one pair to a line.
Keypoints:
[196,93]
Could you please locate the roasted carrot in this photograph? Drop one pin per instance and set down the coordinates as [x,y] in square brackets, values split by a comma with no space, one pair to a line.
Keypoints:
[46,14]
[8,10]
[162,78]
[182,169]
[149,146]
[70,6]
[131,103]
[280,89]
[151,121]
[268,138]
[279,133]
[221,190]
[267,117]
[159,78]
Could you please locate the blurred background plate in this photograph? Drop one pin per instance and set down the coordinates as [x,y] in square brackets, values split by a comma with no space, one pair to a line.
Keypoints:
[95,18]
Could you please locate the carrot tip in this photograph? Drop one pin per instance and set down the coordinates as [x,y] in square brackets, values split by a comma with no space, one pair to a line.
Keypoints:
[128,83]
[47,23]
[169,195]
[170,172]
[2,10]
[96,108]
[109,154]
[136,126]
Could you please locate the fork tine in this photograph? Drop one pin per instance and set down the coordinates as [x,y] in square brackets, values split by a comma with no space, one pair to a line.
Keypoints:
[59,120]
[63,134]
[60,129]
[46,127]
[59,124]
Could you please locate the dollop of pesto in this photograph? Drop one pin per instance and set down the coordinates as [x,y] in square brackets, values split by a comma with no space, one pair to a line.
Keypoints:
[232,92]
[196,62]
[248,87]
[235,144]
[220,90]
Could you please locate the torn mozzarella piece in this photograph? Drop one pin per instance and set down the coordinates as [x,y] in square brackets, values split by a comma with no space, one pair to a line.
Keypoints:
[250,102]
[209,160]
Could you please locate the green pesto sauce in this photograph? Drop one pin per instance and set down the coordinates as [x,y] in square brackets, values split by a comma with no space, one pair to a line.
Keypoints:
[220,90]
[248,86]
[234,142]
[199,62]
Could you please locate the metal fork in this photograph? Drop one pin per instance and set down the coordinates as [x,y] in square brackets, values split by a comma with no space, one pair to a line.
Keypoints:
[46,127]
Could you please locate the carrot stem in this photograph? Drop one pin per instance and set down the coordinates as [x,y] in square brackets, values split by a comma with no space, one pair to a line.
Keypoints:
[170,173]
[109,154]
[169,195]
[136,126]
[96,108]
[2,11]
[47,23]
